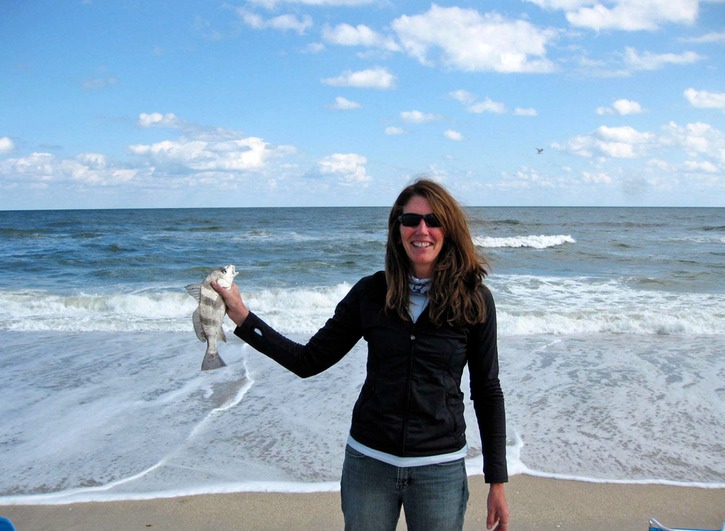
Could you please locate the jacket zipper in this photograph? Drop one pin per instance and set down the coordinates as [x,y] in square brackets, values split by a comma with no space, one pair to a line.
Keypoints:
[409,390]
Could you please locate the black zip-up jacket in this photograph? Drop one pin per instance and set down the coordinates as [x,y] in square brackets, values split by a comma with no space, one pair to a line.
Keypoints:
[411,404]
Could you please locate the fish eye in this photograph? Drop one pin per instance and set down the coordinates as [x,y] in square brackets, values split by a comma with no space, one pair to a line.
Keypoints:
[224,270]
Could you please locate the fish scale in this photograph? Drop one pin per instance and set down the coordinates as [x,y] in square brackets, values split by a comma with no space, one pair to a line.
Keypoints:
[209,314]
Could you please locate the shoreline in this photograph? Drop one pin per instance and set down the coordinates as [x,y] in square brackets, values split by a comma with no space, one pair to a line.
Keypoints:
[536,503]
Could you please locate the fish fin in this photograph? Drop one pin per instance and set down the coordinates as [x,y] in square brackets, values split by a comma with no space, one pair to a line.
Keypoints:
[194,290]
[198,329]
[212,360]
[222,335]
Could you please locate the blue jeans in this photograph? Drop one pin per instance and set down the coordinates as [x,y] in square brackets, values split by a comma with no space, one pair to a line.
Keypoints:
[434,497]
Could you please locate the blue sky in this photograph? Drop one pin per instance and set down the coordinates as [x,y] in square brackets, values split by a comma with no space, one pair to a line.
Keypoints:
[136,103]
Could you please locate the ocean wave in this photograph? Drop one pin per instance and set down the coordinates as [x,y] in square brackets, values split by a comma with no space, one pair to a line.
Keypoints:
[529,305]
[535,242]
[526,305]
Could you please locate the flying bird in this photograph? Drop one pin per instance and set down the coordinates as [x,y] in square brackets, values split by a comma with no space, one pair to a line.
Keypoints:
[539,151]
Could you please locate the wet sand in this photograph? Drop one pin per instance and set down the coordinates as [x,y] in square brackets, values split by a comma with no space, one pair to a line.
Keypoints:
[536,503]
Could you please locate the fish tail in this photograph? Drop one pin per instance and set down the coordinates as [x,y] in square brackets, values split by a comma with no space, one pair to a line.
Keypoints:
[212,360]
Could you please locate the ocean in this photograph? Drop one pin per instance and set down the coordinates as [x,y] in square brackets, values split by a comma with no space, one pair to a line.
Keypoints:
[611,342]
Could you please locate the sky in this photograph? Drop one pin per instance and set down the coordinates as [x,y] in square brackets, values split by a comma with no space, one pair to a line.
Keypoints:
[179,103]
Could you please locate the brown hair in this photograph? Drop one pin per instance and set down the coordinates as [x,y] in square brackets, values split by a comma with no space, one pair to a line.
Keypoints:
[458,271]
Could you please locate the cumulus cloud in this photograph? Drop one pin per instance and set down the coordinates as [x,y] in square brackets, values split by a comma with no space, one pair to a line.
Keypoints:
[343,104]
[156,119]
[628,15]
[418,117]
[463,96]
[271,4]
[703,99]
[45,169]
[695,148]
[697,140]
[348,168]
[198,154]
[617,142]
[375,78]
[285,22]
[487,105]
[6,145]
[708,38]
[101,81]
[394,130]
[464,39]
[596,178]
[652,61]
[450,134]
[360,35]
[622,107]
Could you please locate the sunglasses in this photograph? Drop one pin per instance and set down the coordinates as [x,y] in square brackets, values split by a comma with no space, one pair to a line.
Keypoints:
[413,220]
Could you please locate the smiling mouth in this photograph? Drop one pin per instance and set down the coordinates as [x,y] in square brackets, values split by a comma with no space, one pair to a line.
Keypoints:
[421,245]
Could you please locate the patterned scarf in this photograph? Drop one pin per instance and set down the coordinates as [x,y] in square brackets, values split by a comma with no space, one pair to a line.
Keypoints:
[419,286]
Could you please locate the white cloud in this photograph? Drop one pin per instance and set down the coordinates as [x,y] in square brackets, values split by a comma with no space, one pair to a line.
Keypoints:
[566,5]
[652,61]
[44,169]
[708,37]
[376,78]
[6,145]
[487,105]
[393,130]
[285,22]
[628,15]
[693,166]
[697,140]
[463,96]
[271,4]
[101,81]
[622,107]
[450,134]
[696,148]
[464,39]
[617,142]
[703,99]
[360,35]
[156,119]
[596,178]
[519,111]
[349,168]
[418,117]
[239,154]
[343,104]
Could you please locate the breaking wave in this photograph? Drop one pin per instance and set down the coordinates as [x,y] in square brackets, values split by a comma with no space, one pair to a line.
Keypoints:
[535,242]
[525,305]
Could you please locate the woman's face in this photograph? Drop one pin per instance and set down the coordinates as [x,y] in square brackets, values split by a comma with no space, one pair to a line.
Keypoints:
[422,243]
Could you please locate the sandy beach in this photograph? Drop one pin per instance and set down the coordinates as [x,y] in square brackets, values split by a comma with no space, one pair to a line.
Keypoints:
[536,503]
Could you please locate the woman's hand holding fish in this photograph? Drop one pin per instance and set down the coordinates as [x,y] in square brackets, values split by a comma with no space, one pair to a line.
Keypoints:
[236,309]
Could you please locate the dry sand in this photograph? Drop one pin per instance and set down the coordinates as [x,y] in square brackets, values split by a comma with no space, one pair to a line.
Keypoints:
[536,503]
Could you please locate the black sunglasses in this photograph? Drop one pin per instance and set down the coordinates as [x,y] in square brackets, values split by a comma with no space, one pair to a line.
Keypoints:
[413,220]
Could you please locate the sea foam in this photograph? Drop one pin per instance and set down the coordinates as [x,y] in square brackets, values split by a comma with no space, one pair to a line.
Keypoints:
[535,242]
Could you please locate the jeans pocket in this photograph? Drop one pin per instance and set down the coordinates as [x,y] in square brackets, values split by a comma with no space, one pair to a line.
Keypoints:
[351,452]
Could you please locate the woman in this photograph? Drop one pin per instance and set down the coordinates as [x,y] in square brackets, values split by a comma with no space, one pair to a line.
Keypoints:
[424,318]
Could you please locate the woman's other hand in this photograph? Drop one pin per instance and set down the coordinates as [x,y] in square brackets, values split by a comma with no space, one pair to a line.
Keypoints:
[498,507]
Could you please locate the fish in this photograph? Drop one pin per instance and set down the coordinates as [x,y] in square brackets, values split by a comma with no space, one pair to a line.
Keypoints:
[209,314]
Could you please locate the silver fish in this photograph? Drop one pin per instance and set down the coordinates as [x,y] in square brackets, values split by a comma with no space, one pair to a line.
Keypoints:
[209,315]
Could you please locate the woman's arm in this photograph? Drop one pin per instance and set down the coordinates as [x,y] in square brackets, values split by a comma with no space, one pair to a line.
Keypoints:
[486,393]
[335,339]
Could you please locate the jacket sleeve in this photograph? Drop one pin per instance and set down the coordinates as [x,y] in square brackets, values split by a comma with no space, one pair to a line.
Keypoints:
[486,393]
[328,346]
